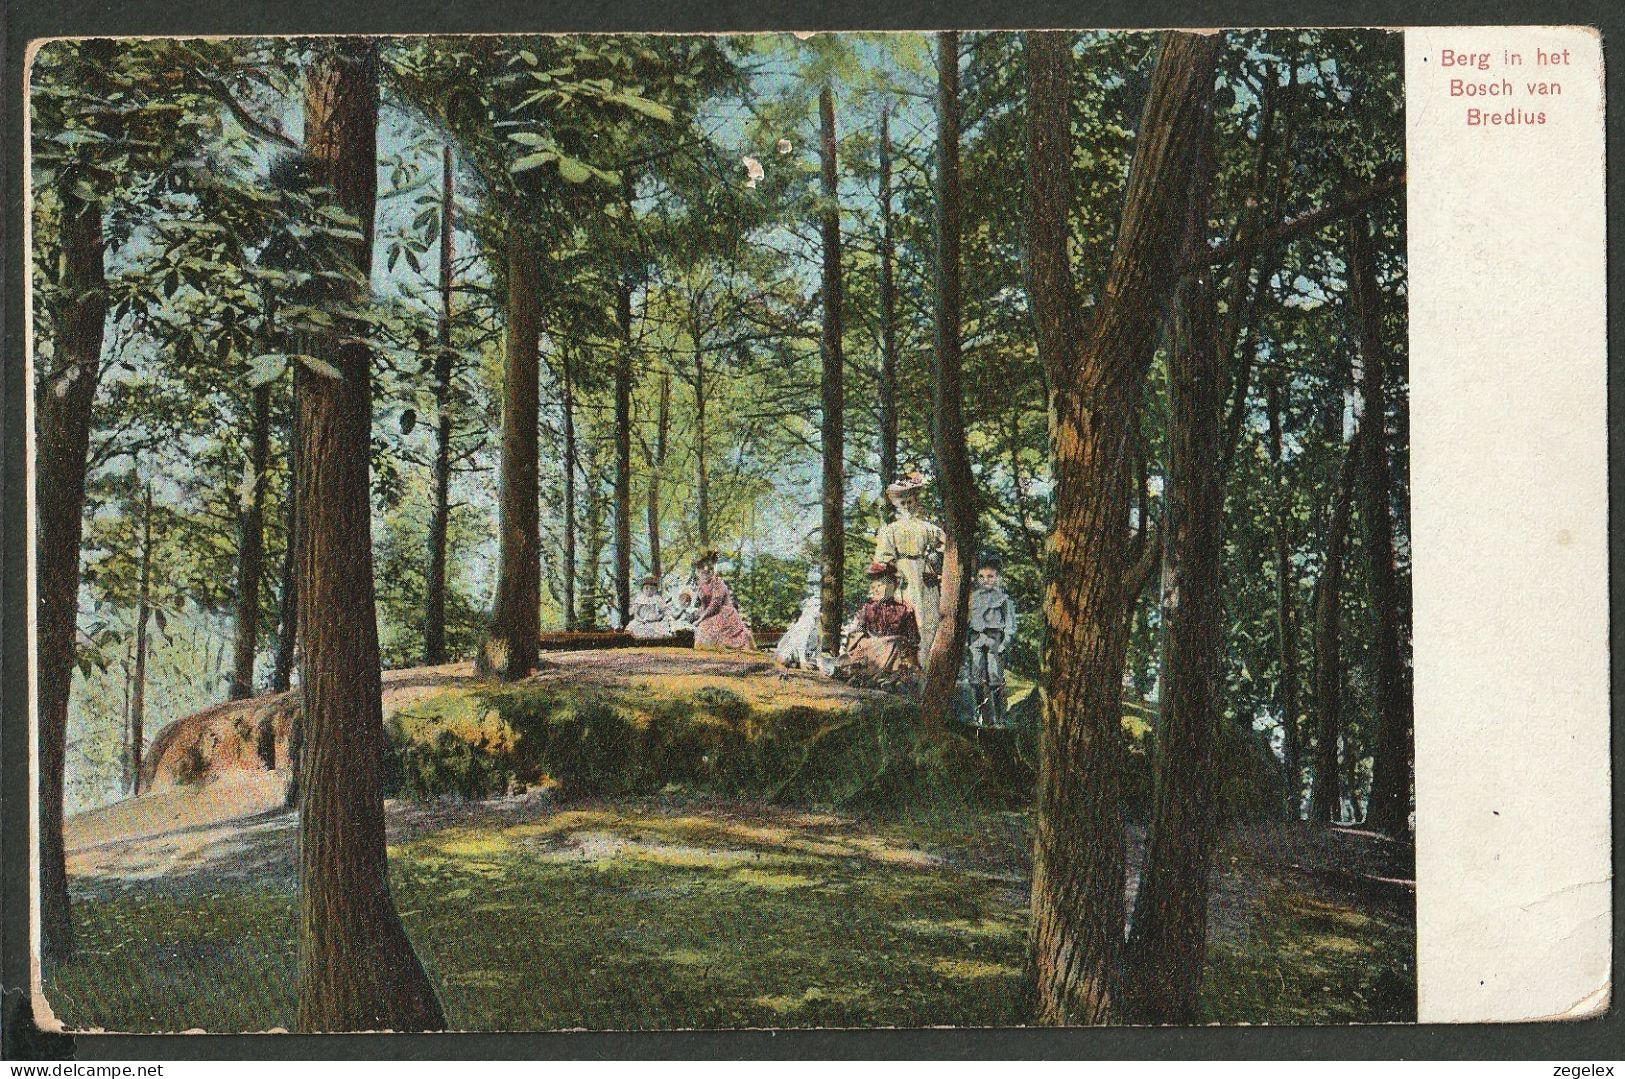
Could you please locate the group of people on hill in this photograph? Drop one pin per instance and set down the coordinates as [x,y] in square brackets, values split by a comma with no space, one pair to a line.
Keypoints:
[706,605]
[886,643]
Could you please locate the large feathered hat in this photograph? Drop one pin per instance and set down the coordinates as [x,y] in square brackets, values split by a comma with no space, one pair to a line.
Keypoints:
[911,484]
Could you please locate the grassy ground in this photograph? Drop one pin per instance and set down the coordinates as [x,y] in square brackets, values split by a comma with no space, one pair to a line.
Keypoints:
[653,915]
[682,882]
[615,916]
[1315,960]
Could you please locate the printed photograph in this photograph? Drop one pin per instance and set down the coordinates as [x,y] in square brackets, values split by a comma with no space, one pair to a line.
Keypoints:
[656,532]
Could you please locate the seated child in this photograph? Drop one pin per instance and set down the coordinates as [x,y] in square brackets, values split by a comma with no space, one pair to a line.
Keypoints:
[650,618]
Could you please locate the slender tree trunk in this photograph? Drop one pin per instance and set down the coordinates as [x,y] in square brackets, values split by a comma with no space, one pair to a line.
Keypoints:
[511,650]
[251,548]
[657,462]
[953,461]
[62,407]
[1352,752]
[288,617]
[623,454]
[1168,942]
[143,611]
[357,970]
[288,636]
[1391,767]
[702,473]
[1096,375]
[1286,627]
[434,616]
[592,583]
[830,606]
[1324,800]
[888,317]
[572,617]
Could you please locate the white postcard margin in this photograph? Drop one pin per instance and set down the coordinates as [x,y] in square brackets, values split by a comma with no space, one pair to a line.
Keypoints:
[1508,365]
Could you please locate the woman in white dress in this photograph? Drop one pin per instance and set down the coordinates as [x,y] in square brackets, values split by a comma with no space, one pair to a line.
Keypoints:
[914,547]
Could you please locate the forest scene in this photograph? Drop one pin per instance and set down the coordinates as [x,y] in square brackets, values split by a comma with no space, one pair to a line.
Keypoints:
[776,530]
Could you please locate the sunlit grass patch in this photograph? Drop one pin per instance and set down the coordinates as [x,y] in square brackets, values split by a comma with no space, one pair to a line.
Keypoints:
[656,915]
[1309,959]
[974,968]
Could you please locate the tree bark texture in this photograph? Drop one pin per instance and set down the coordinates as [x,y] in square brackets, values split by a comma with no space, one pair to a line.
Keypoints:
[571,464]
[623,454]
[1324,800]
[287,640]
[702,474]
[1286,622]
[510,651]
[1168,941]
[63,399]
[888,317]
[1096,375]
[143,612]
[957,484]
[1390,803]
[434,615]
[831,611]
[357,969]
[251,546]
[657,462]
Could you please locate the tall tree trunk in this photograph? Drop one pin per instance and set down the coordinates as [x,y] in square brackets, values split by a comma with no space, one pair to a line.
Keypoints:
[288,617]
[888,317]
[592,583]
[1096,375]
[143,611]
[1391,767]
[702,473]
[1286,623]
[251,548]
[62,406]
[623,454]
[357,970]
[288,634]
[1324,799]
[833,534]
[1352,752]
[657,462]
[572,617]
[1168,942]
[511,650]
[434,616]
[953,462]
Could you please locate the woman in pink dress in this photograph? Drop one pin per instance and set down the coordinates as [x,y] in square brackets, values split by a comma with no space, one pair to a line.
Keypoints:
[720,624]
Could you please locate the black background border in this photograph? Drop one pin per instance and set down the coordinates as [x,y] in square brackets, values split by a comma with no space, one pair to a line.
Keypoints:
[24,20]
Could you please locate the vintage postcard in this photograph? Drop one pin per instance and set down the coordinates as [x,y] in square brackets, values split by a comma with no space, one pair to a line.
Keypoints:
[968,529]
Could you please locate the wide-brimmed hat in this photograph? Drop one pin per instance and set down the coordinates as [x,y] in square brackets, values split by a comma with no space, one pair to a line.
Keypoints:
[911,484]
[706,557]
[882,570]
[651,579]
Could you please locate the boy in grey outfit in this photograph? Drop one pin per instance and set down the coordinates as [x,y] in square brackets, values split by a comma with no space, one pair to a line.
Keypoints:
[992,632]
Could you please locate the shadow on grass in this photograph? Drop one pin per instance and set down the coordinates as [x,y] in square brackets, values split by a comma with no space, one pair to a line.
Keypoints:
[668,914]
[602,917]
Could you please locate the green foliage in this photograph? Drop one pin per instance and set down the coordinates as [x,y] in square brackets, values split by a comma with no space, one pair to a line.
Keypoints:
[619,159]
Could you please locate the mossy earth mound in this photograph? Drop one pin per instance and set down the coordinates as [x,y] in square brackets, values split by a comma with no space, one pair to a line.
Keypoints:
[647,721]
